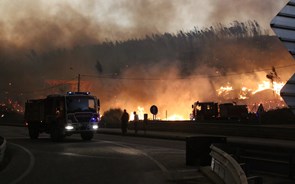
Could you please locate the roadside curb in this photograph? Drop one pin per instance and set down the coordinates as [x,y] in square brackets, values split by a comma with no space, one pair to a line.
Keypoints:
[2,148]
[13,124]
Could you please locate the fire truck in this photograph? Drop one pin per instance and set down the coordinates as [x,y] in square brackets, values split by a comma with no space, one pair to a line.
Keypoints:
[63,115]
[213,111]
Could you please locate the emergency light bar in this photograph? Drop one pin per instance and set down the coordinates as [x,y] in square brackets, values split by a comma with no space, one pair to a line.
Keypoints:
[78,93]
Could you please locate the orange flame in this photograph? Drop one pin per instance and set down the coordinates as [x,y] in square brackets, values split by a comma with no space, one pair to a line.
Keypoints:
[275,86]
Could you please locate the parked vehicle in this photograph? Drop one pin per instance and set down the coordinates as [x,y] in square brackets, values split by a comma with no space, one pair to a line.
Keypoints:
[63,115]
[226,111]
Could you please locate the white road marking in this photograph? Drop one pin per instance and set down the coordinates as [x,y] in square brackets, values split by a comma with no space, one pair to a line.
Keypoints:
[90,156]
[30,167]
[163,150]
[161,166]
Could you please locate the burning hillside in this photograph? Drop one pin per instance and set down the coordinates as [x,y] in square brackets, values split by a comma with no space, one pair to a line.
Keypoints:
[265,93]
[140,60]
[171,70]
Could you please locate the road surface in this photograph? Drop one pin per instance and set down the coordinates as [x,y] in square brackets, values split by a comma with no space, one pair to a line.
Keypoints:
[105,159]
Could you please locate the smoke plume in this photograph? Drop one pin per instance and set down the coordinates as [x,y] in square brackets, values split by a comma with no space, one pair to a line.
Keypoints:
[42,25]
[137,53]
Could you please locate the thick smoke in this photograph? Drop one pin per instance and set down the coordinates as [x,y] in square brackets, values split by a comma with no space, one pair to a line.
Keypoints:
[126,48]
[64,24]
[229,10]
[42,25]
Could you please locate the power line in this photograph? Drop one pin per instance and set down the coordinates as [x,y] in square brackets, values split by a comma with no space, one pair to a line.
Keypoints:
[116,77]
[37,90]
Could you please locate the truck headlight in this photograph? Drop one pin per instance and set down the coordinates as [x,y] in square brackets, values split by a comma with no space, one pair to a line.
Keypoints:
[95,127]
[69,127]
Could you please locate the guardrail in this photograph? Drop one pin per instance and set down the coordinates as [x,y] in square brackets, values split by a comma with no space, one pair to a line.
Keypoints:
[226,167]
[273,158]
[2,149]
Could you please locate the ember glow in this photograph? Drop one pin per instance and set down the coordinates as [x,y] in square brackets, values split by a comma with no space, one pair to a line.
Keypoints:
[225,89]
[243,93]
[11,106]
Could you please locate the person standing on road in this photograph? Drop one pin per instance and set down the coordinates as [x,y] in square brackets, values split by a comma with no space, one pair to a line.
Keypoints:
[136,120]
[124,122]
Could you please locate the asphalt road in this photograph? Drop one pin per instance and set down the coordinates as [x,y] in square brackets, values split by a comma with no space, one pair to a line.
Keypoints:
[106,159]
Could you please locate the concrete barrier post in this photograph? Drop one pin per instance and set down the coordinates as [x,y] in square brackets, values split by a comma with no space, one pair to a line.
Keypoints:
[226,167]
[198,149]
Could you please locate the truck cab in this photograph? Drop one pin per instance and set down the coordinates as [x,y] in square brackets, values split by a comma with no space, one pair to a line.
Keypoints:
[205,110]
[63,115]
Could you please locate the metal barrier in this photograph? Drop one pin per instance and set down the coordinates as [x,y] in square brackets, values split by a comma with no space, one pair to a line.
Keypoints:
[226,167]
[2,150]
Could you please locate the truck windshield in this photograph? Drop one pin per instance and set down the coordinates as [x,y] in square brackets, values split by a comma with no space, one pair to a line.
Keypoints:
[80,104]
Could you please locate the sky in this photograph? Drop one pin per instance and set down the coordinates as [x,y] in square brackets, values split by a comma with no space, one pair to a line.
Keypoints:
[98,20]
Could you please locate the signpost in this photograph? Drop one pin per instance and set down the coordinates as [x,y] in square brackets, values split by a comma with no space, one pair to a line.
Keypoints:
[288,93]
[284,26]
[154,111]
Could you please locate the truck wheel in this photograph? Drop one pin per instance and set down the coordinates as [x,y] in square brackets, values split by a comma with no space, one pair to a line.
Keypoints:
[33,131]
[87,136]
[56,134]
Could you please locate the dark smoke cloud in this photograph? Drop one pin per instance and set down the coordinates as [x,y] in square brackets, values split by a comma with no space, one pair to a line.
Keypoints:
[46,25]
[39,25]
[229,10]
[31,26]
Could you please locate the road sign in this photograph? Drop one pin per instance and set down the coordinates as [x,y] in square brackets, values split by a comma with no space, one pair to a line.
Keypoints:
[288,93]
[154,110]
[284,26]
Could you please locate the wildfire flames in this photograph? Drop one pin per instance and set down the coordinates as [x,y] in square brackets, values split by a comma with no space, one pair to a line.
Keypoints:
[269,97]
[244,95]
[275,86]
[226,92]
[140,111]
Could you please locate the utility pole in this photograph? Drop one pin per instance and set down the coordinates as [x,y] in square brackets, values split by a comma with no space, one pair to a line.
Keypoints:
[79,82]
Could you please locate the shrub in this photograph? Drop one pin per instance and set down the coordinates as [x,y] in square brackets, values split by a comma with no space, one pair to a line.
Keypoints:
[112,118]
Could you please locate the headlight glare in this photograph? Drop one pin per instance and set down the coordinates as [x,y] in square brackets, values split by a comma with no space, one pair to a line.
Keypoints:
[69,127]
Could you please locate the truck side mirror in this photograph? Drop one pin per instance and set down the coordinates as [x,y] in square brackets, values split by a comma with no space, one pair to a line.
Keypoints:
[98,104]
